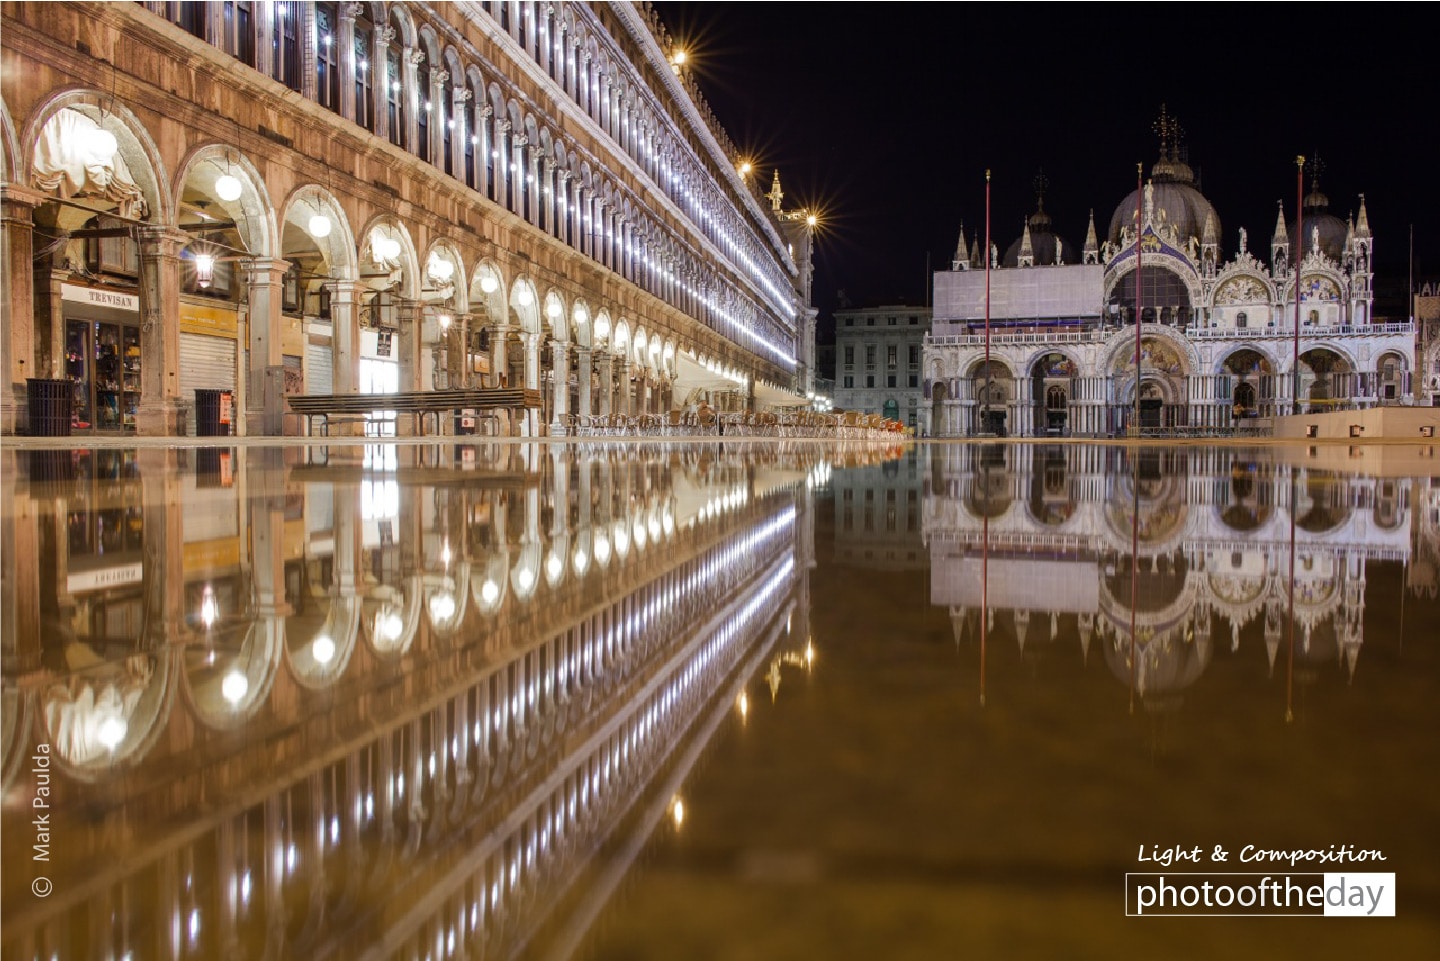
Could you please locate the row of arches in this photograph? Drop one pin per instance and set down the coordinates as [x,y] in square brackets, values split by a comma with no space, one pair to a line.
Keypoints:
[399,73]
[1041,392]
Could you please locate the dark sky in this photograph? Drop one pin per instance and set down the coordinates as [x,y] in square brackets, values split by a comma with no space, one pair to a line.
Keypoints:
[885,116]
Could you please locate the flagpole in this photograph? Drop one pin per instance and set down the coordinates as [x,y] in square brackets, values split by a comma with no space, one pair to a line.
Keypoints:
[985,406]
[1139,308]
[1298,258]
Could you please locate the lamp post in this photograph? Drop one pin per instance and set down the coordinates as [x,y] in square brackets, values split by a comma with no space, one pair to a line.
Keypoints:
[1139,295]
[985,396]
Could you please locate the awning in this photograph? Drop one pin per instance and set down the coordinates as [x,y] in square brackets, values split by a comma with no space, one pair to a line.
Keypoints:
[689,375]
[768,396]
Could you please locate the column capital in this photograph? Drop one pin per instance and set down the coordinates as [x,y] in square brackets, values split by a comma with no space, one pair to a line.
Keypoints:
[415,57]
[161,239]
[21,196]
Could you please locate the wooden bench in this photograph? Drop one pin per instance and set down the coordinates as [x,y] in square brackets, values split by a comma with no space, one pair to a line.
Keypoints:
[349,408]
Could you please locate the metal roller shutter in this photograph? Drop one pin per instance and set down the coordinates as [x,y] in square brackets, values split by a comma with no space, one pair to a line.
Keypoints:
[206,363]
[318,378]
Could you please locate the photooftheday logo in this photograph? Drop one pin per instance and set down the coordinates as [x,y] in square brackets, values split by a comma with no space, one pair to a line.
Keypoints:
[1208,895]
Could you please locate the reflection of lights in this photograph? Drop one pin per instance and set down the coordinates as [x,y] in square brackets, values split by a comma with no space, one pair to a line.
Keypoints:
[554,566]
[809,654]
[602,548]
[291,855]
[334,830]
[742,704]
[525,577]
[245,888]
[668,522]
[322,649]
[194,923]
[445,555]
[234,687]
[622,539]
[388,624]
[209,608]
[442,607]
[111,732]
[654,527]
[490,592]
[677,812]
[581,561]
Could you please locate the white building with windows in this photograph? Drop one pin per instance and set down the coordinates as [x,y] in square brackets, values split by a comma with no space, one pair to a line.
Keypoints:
[323,197]
[878,352]
[1218,327]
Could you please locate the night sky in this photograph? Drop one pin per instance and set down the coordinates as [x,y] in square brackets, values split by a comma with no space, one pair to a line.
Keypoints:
[885,117]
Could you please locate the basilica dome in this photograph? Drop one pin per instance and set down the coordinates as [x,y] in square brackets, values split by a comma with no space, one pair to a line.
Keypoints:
[1185,207]
[1043,243]
[1332,230]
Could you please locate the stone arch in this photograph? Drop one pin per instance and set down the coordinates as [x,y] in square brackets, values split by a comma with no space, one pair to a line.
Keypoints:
[640,346]
[407,261]
[401,17]
[10,162]
[1222,362]
[134,148]
[492,301]
[445,251]
[525,304]
[581,324]
[253,212]
[339,249]
[556,316]
[620,343]
[111,717]
[1119,349]
[390,626]
[604,329]
[1118,275]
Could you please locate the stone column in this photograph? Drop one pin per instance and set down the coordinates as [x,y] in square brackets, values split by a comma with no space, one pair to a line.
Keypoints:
[583,369]
[499,353]
[159,329]
[459,112]
[415,98]
[345,38]
[17,305]
[560,375]
[606,366]
[380,79]
[344,335]
[265,279]
[622,378]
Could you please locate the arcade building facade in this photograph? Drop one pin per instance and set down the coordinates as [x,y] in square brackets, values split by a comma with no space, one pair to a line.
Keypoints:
[1217,336]
[315,198]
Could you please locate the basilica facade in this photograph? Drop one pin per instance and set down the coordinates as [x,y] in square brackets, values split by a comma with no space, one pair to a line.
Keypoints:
[1217,343]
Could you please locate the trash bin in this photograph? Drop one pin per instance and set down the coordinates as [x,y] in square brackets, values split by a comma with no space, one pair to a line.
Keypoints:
[49,405]
[213,409]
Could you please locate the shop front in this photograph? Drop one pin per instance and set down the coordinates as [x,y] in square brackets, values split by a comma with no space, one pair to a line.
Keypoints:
[102,357]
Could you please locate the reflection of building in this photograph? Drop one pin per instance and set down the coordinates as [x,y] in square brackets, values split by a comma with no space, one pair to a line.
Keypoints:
[877,360]
[1075,543]
[1218,324]
[342,197]
[877,516]
[437,687]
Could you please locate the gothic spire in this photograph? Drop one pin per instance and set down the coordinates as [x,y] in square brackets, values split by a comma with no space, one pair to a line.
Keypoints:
[1091,251]
[1208,232]
[962,251]
[1027,250]
[775,195]
[1362,225]
[1281,235]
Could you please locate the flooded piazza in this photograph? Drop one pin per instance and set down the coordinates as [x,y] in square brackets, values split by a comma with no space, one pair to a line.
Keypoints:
[719,699]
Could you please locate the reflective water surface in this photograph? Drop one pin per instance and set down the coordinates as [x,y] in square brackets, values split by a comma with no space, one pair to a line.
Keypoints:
[709,700]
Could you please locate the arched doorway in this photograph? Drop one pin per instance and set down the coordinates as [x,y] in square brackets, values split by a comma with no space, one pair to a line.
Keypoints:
[991,382]
[1252,384]
[1050,383]
[939,393]
[1326,380]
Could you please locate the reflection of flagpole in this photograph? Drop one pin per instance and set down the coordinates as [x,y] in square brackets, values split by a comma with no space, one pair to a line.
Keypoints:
[1296,259]
[1134,555]
[984,596]
[1290,659]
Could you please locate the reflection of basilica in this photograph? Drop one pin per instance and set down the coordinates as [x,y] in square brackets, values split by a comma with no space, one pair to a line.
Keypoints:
[1158,557]
[282,699]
